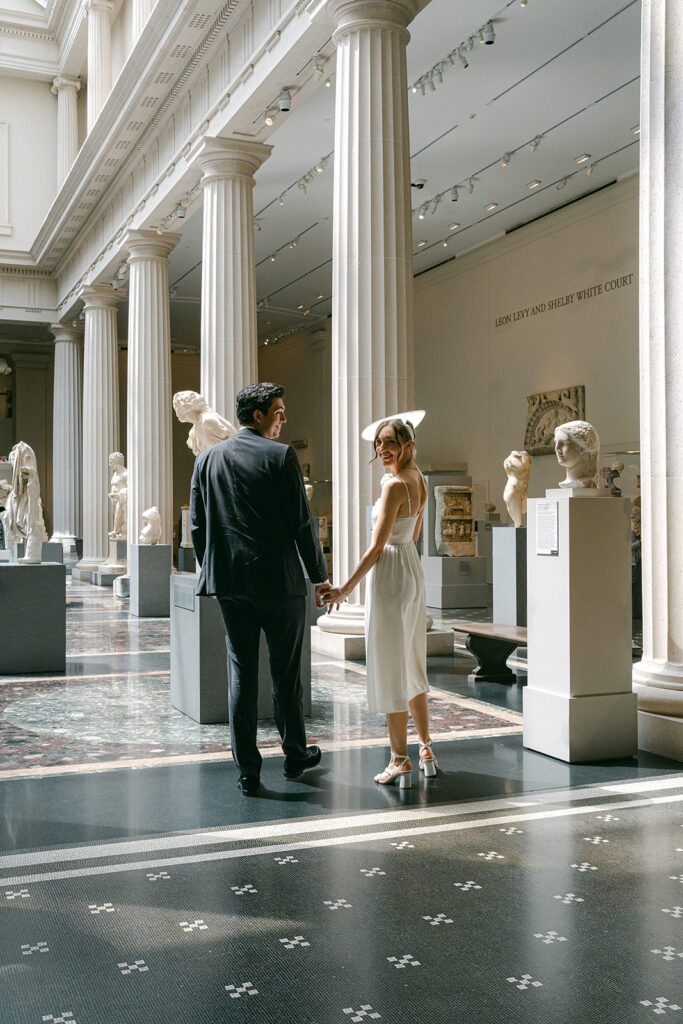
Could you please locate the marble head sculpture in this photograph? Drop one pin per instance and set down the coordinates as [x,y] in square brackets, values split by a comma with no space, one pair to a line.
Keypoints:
[151,526]
[208,426]
[517,466]
[577,447]
[22,519]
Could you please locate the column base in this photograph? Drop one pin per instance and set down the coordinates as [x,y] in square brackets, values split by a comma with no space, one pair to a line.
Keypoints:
[659,689]
[661,734]
[351,646]
[84,569]
[574,729]
[72,549]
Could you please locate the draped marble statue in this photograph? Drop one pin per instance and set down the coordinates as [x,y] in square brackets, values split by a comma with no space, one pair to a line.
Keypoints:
[22,519]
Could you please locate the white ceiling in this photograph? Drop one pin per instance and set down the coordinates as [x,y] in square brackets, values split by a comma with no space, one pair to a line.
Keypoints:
[567,70]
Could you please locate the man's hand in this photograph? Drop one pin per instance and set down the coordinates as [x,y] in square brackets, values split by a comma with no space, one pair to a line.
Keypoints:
[320,590]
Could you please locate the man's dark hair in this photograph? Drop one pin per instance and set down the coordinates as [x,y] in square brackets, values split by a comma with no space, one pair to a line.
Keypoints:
[256,396]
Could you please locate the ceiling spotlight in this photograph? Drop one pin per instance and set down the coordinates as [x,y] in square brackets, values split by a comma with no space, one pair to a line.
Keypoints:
[414,89]
[269,119]
[160,231]
[421,213]
[591,168]
[562,183]
[74,323]
[534,184]
[282,199]
[469,44]
[319,168]
[317,69]
[462,58]
[536,142]
[292,244]
[301,306]
[490,206]
[635,130]
[421,244]
[421,87]
[452,227]
[523,3]
[438,74]
[582,159]
[470,185]
[285,100]
[328,83]
[273,258]
[488,34]
[451,58]
[445,244]
[430,83]
[454,194]
[505,159]
[418,183]
[180,212]
[320,296]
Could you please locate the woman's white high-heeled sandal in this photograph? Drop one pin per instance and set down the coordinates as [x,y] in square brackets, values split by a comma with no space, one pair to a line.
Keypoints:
[428,764]
[399,772]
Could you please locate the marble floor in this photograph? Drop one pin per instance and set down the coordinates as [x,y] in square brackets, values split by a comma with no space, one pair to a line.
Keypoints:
[138,886]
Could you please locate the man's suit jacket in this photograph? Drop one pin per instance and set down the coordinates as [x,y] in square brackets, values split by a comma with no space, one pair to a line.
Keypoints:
[250,519]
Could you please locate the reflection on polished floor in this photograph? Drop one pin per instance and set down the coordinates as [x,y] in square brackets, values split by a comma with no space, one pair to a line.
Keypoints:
[138,885]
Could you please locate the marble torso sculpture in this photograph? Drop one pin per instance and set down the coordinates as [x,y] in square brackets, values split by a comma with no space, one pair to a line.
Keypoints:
[118,495]
[577,447]
[517,466]
[23,516]
[208,426]
[151,526]
[454,520]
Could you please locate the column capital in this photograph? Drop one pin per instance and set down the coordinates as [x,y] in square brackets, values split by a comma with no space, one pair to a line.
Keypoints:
[147,244]
[66,332]
[228,158]
[98,5]
[100,296]
[349,15]
[65,82]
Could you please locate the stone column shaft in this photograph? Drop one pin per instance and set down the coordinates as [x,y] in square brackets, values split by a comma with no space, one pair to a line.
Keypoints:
[100,418]
[659,676]
[228,331]
[141,12]
[372,277]
[66,90]
[99,56]
[67,438]
[150,441]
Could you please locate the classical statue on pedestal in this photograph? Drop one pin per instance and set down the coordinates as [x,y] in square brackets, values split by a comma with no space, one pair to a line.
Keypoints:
[23,516]
[151,526]
[577,447]
[517,466]
[118,495]
[208,426]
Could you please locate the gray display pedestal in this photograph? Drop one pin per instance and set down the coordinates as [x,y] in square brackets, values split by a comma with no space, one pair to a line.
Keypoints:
[51,551]
[457,582]
[509,575]
[578,702]
[150,570]
[187,561]
[33,603]
[199,672]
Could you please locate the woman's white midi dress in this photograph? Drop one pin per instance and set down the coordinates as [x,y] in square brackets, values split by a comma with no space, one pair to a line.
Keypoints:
[395,621]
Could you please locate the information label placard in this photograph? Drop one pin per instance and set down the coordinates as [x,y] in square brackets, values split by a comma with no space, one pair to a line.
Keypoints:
[547,528]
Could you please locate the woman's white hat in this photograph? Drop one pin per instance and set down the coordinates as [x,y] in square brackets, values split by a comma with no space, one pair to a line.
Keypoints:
[414,417]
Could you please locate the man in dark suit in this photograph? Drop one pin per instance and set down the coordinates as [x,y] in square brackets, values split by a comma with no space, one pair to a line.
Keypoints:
[250,522]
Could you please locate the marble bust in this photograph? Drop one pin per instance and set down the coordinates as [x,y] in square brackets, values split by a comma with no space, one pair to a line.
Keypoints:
[517,466]
[22,519]
[118,495]
[208,426]
[577,447]
[151,526]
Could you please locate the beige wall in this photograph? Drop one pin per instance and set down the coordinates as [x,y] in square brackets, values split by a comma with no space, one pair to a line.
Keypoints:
[473,377]
[30,110]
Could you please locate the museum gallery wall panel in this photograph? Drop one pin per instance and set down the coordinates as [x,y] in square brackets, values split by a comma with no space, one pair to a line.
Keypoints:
[32,173]
[550,306]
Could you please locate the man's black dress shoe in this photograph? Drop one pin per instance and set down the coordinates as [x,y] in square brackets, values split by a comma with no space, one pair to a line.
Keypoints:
[249,784]
[293,769]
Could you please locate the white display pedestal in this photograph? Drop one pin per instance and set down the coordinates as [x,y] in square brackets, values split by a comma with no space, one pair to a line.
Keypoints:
[578,702]
[455,582]
[509,575]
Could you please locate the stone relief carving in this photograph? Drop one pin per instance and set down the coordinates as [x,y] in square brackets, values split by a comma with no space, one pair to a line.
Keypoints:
[208,426]
[118,496]
[548,410]
[517,466]
[185,535]
[577,447]
[454,520]
[151,526]
[22,519]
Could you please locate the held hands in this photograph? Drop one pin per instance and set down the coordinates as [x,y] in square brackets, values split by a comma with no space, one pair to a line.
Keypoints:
[334,598]
[321,589]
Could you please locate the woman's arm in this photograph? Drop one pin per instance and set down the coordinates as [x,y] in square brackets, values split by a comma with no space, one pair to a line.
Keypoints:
[393,494]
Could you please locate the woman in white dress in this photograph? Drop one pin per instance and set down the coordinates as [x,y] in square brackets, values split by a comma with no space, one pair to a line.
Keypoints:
[395,603]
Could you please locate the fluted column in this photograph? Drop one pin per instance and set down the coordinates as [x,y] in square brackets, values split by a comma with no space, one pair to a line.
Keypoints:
[100,418]
[66,90]
[99,56]
[150,442]
[67,411]
[228,332]
[141,12]
[658,678]
[372,275]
